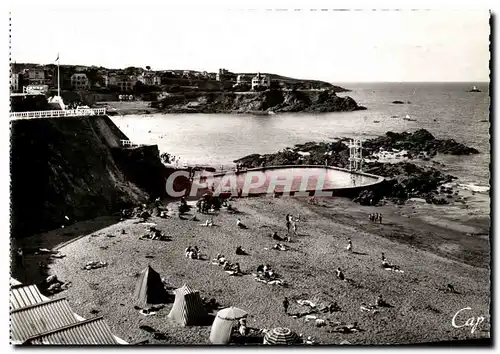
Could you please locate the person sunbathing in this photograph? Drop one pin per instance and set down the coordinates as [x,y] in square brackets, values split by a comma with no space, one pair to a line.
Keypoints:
[450,288]
[348,328]
[208,223]
[240,251]
[333,307]
[240,224]
[388,266]
[227,265]
[269,274]
[340,275]
[276,237]
[280,247]
[381,303]
[237,268]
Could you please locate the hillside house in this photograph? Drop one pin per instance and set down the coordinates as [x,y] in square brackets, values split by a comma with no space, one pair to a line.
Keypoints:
[80,81]
[123,83]
[149,78]
[36,76]
[261,81]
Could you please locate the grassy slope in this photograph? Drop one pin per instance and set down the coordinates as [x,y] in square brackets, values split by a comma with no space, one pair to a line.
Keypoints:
[421,313]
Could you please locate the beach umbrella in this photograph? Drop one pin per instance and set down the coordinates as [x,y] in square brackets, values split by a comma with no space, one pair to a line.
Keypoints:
[281,336]
[232,313]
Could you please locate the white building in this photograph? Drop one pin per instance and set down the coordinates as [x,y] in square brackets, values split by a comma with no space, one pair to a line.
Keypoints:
[14,82]
[261,80]
[36,89]
[80,81]
[149,78]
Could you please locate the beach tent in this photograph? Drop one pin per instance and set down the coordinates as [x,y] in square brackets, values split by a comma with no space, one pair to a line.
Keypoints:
[224,322]
[149,289]
[188,309]
[281,336]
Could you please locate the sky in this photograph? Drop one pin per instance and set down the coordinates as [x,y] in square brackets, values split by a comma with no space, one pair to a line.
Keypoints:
[335,46]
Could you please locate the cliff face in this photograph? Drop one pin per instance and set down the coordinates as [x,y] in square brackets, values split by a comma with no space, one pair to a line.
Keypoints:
[249,102]
[75,167]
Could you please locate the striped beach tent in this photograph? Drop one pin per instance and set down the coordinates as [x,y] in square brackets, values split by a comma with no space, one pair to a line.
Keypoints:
[223,324]
[188,309]
[281,336]
[149,289]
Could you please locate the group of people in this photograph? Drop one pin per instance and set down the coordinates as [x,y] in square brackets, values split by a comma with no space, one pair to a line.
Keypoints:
[291,224]
[265,271]
[375,217]
[203,206]
[228,267]
[154,234]
[193,252]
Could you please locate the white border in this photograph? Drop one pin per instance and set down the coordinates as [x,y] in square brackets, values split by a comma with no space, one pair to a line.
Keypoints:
[25,5]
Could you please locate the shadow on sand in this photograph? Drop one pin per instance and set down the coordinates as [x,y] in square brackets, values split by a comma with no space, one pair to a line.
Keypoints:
[34,267]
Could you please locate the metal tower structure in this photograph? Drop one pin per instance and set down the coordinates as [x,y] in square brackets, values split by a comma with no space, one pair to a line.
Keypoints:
[355,155]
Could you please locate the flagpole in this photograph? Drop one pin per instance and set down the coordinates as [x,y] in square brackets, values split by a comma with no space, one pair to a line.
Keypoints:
[58,78]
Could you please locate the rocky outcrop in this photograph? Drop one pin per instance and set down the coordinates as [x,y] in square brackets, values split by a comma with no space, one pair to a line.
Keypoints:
[69,169]
[270,100]
[416,143]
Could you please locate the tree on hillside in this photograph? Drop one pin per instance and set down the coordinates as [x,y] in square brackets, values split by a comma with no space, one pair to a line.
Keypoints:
[148,67]
[133,70]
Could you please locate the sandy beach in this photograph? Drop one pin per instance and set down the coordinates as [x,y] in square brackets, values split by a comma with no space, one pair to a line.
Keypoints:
[127,107]
[430,250]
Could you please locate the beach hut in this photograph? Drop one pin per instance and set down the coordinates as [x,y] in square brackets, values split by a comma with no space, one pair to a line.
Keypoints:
[188,309]
[223,324]
[281,336]
[149,289]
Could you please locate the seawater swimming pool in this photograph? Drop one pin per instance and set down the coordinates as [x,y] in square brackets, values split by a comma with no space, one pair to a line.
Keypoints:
[285,179]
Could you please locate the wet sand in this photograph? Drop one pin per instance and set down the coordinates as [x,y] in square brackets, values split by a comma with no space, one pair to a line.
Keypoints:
[432,255]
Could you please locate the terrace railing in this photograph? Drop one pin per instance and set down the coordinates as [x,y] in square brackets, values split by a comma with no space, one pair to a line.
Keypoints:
[81,112]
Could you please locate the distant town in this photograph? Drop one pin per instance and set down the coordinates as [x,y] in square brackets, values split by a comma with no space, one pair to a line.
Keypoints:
[43,79]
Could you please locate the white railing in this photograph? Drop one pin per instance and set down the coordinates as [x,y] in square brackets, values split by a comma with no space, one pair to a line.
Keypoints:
[59,113]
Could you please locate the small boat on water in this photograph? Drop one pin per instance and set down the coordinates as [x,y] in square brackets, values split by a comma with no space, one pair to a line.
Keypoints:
[376,121]
[409,119]
[474,89]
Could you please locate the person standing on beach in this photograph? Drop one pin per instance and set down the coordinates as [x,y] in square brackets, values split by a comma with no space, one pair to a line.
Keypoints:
[294,227]
[288,223]
[285,305]
[349,245]
[380,218]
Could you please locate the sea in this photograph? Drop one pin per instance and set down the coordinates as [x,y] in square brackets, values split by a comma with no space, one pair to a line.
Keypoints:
[447,110]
